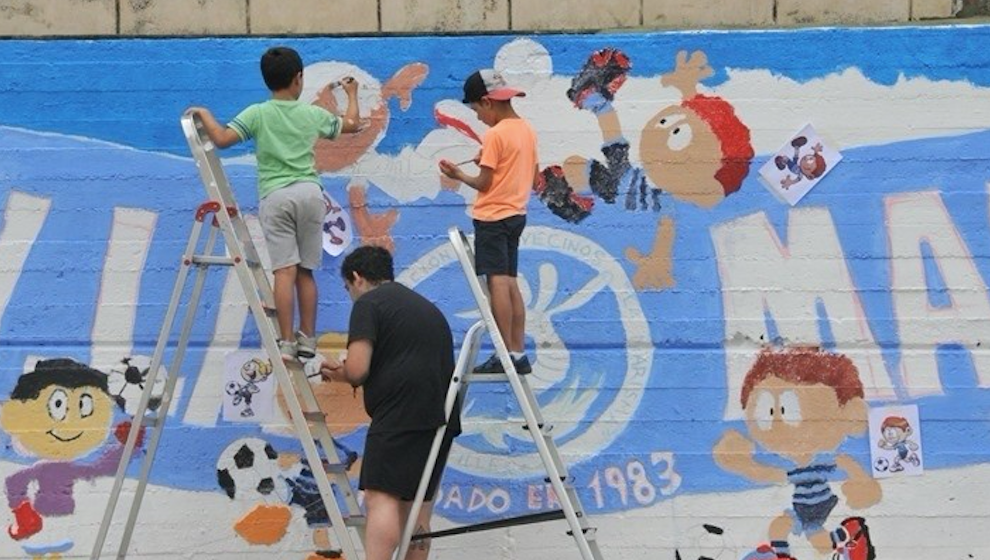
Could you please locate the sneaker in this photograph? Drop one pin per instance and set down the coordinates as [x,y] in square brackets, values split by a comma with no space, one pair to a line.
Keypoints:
[494,365]
[305,346]
[522,365]
[288,350]
[491,365]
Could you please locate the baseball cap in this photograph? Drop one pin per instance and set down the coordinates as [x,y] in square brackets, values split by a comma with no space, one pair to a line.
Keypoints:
[488,83]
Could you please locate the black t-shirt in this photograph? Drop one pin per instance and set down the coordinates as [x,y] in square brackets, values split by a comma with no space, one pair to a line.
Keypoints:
[412,359]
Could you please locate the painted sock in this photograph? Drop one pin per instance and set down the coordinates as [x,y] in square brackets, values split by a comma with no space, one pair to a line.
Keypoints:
[781,547]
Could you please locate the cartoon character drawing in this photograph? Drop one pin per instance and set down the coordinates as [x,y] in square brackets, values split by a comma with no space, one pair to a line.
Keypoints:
[356,156]
[808,166]
[60,412]
[801,404]
[697,152]
[253,372]
[894,434]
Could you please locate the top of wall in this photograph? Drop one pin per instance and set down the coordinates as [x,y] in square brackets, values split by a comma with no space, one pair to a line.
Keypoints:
[67,18]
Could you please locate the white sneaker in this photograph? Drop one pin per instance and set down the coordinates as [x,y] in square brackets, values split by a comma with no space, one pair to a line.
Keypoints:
[288,350]
[305,346]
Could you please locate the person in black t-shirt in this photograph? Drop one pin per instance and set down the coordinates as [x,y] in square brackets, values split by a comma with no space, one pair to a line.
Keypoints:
[400,350]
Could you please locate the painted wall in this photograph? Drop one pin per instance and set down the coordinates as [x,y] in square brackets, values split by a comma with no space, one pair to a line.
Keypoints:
[694,341]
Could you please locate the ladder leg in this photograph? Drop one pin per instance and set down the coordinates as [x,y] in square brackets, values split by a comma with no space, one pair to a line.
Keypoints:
[266,329]
[570,503]
[173,375]
[455,391]
[139,417]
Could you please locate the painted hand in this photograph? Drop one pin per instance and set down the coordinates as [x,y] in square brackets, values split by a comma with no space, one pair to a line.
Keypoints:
[374,229]
[653,270]
[27,522]
[733,451]
[124,428]
[688,73]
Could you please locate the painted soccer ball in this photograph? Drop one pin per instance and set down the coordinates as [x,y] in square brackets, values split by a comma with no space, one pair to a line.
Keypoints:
[126,381]
[248,470]
[704,542]
[881,464]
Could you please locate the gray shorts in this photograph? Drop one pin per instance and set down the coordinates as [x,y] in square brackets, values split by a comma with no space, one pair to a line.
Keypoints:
[292,220]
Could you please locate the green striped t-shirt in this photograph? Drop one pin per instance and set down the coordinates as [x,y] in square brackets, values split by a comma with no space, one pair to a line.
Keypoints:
[284,133]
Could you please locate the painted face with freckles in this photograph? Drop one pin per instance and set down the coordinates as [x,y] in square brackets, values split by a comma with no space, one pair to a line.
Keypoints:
[60,423]
[681,155]
[797,421]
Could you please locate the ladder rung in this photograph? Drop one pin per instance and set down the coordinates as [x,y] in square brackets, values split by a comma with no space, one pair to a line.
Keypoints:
[355,520]
[545,429]
[489,378]
[315,416]
[589,532]
[212,260]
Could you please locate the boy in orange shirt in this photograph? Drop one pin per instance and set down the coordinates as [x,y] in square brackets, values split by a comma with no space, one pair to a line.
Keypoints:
[508,171]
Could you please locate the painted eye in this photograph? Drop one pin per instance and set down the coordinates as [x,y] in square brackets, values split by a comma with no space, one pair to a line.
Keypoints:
[680,137]
[86,405]
[763,413]
[58,405]
[790,408]
[667,122]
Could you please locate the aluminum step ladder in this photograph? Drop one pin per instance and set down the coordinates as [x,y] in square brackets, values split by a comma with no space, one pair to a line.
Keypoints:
[308,421]
[570,505]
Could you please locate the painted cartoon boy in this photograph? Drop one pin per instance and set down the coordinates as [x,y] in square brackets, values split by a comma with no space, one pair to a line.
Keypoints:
[697,152]
[894,434]
[809,166]
[801,404]
[60,412]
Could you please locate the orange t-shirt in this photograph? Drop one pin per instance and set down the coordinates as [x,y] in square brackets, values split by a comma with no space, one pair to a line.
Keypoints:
[509,150]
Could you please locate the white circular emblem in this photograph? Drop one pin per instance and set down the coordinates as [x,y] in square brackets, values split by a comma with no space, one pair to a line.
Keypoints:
[586,414]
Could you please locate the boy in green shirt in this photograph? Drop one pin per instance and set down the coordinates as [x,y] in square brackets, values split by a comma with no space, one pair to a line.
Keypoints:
[292,206]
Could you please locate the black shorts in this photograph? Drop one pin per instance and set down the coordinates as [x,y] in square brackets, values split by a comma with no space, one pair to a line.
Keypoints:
[496,245]
[394,462]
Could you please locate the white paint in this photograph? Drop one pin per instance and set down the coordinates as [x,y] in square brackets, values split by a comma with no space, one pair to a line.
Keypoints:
[911,219]
[199,524]
[760,273]
[116,307]
[22,220]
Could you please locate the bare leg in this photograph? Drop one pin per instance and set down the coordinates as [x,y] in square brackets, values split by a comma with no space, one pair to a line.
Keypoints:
[420,550]
[500,290]
[517,340]
[780,528]
[285,283]
[306,291]
[821,541]
[385,520]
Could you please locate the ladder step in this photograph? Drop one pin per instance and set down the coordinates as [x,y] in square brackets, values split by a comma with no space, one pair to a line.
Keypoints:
[355,521]
[315,416]
[212,260]
[545,429]
[589,532]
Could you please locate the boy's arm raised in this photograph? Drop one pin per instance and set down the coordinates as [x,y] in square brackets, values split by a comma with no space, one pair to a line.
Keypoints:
[352,118]
[221,136]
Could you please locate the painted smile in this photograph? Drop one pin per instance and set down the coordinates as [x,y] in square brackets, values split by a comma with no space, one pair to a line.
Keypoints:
[64,439]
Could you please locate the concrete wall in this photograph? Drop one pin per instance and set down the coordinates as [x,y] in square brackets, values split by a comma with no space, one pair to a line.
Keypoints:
[671,305]
[262,17]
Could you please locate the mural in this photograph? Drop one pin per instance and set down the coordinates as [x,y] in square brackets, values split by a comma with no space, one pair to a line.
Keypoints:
[708,354]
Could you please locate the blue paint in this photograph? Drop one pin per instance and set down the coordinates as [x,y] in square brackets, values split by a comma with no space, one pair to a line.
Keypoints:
[131,92]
